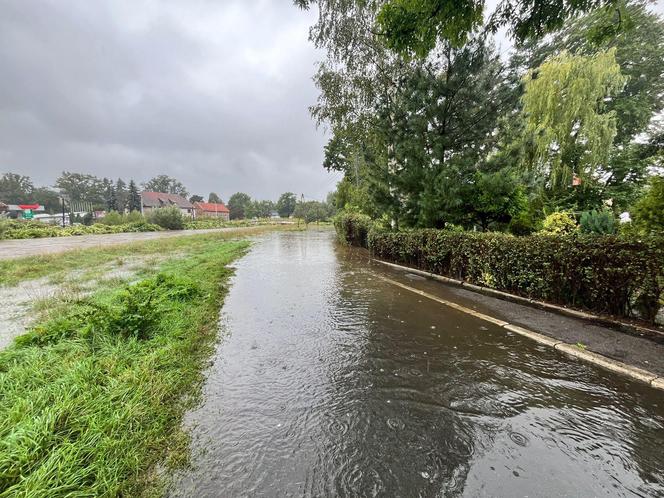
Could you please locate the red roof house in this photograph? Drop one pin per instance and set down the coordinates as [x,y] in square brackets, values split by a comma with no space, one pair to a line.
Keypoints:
[212,210]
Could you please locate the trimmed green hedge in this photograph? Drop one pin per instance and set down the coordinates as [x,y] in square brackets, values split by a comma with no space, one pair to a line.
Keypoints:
[622,276]
[353,228]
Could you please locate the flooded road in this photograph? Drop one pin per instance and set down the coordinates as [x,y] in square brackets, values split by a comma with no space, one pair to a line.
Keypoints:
[331,382]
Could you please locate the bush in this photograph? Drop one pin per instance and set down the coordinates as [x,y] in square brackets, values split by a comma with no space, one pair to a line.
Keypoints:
[559,223]
[648,213]
[599,222]
[4,227]
[169,218]
[606,274]
[34,229]
[112,218]
[353,228]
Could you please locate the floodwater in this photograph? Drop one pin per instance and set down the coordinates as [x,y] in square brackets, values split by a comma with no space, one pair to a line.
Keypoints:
[332,382]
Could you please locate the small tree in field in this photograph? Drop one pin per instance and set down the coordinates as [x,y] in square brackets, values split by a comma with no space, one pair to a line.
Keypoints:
[169,218]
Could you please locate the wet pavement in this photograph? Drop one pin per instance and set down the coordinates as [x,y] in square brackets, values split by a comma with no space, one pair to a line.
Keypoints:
[329,381]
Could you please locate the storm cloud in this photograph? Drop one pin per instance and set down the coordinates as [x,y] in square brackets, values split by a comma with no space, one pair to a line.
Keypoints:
[214,93]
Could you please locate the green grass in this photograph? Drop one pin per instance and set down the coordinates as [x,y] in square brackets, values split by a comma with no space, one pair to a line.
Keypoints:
[93,398]
[57,266]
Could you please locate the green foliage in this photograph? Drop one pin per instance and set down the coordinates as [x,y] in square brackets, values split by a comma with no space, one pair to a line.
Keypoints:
[35,229]
[258,209]
[648,213]
[112,218]
[214,198]
[4,227]
[169,218]
[605,274]
[311,211]
[237,205]
[133,198]
[286,204]
[167,185]
[353,228]
[15,188]
[196,198]
[93,400]
[496,198]
[599,222]
[566,129]
[559,223]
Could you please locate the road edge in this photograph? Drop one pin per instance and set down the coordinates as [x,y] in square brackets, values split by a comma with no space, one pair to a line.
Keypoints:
[573,350]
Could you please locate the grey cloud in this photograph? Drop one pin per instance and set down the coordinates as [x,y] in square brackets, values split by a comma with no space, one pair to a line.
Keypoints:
[214,93]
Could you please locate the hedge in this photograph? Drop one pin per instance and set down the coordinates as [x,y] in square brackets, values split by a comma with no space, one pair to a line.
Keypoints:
[36,229]
[353,228]
[617,275]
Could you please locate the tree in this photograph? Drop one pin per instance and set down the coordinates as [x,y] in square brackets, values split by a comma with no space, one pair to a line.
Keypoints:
[15,188]
[134,202]
[496,198]
[569,132]
[648,213]
[196,198]
[286,204]
[47,198]
[121,196]
[311,211]
[416,27]
[81,187]
[237,205]
[111,199]
[165,184]
[258,209]
[213,197]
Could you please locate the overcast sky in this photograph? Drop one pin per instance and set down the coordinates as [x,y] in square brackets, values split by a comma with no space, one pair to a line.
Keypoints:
[212,92]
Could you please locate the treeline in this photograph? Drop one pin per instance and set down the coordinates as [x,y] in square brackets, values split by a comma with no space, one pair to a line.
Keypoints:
[90,192]
[433,128]
[241,206]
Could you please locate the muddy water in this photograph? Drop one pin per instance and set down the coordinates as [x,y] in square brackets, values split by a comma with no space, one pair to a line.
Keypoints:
[331,382]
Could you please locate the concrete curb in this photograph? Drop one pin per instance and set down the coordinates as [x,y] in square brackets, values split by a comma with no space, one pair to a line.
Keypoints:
[629,328]
[573,350]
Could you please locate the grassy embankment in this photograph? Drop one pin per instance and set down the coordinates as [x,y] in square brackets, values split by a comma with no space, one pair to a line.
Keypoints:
[93,396]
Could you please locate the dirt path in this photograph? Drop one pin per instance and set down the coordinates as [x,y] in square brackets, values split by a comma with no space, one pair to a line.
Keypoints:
[11,249]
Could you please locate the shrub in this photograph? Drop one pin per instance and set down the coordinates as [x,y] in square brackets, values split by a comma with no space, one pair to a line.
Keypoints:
[169,218]
[600,222]
[606,274]
[134,217]
[112,218]
[353,228]
[4,227]
[559,223]
[648,213]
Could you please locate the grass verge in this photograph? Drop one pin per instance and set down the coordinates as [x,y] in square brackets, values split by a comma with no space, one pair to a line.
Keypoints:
[92,400]
[13,271]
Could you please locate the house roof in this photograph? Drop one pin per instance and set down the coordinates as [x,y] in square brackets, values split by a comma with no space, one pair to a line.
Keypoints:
[160,199]
[211,207]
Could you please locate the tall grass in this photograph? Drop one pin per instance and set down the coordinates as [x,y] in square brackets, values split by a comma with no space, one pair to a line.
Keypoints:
[92,400]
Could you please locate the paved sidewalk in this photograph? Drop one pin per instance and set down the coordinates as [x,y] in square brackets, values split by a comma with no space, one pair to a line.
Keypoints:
[11,249]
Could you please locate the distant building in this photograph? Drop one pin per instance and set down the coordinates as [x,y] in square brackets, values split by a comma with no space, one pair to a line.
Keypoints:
[212,210]
[274,215]
[24,211]
[156,200]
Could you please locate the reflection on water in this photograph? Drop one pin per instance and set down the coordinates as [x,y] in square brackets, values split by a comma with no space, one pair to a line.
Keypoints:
[331,382]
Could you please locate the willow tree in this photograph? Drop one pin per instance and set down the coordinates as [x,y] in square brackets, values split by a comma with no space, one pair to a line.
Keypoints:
[568,130]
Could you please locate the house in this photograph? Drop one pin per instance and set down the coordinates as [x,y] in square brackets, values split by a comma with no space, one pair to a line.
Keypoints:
[212,210]
[156,200]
